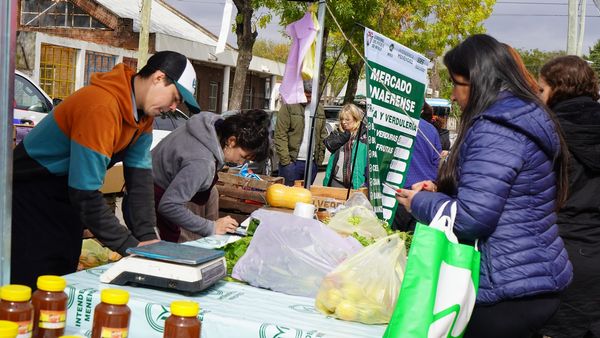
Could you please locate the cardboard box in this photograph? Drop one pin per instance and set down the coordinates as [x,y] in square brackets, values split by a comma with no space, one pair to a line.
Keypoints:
[114,180]
[330,197]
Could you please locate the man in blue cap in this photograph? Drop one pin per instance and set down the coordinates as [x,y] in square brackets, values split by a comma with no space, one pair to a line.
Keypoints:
[61,165]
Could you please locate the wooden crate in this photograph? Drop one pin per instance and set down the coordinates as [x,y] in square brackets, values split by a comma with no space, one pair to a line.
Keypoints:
[330,197]
[239,196]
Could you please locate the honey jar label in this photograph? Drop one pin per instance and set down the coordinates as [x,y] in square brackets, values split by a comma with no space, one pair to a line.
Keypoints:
[52,319]
[113,332]
[25,328]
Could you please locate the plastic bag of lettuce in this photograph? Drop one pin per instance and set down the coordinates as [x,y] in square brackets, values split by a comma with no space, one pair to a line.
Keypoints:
[234,251]
[357,219]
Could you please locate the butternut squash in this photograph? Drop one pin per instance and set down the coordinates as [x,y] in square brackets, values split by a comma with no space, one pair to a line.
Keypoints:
[279,195]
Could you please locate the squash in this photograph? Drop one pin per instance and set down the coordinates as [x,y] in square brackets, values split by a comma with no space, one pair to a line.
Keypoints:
[279,195]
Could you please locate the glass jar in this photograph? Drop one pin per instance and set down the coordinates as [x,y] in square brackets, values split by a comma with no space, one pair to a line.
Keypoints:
[49,307]
[183,321]
[15,307]
[111,316]
[8,329]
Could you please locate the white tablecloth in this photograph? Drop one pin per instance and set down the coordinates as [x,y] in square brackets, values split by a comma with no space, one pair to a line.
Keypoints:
[228,309]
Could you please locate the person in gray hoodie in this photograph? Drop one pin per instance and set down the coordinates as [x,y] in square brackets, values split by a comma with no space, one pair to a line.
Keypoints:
[186,162]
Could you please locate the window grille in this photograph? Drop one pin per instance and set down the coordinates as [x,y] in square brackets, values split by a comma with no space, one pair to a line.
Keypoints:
[57,70]
[213,96]
[53,13]
[97,63]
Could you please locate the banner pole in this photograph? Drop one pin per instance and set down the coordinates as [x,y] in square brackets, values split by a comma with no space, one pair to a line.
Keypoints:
[315,98]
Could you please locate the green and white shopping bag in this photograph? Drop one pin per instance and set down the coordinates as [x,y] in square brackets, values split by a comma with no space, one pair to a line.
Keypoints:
[440,283]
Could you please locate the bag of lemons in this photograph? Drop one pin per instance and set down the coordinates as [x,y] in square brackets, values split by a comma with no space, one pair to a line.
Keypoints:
[365,287]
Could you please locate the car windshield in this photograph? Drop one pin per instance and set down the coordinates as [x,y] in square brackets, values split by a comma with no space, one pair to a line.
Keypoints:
[332,113]
[170,120]
[28,97]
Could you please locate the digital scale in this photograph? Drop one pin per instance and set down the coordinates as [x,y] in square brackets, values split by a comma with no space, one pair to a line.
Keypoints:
[168,265]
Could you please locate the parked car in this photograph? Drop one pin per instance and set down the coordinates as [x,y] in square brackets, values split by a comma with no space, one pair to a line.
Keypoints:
[170,120]
[270,165]
[166,123]
[332,115]
[441,107]
[31,103]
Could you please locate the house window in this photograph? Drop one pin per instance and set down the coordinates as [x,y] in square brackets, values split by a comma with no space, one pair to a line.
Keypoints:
[247,104]
[267,93]
[57,70]
[213,96]
[52,13]
[97,63]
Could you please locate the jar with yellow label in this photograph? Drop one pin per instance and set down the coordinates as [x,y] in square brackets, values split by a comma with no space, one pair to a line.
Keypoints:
[8,329]
[111,316]
[49,307]
[183,321]
[15,307]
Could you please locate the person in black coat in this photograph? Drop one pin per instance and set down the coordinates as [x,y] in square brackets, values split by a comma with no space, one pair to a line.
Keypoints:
[569,86]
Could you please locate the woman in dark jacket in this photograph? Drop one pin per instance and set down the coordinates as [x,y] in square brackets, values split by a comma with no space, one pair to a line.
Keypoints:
[507,174]
[570,88]
[347,166]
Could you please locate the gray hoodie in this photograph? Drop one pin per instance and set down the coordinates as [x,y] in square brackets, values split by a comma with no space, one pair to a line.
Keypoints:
[184,164]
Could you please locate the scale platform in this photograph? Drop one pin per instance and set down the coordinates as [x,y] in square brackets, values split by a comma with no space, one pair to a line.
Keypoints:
[166,265]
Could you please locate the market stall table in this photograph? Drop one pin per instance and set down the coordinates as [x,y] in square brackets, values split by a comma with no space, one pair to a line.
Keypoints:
[228,309]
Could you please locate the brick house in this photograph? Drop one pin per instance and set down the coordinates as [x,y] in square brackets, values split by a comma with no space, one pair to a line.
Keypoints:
[61,43]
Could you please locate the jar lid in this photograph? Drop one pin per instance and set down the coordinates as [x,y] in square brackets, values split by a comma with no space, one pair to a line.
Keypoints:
[15,293]
[51,283]
[184,308]
[8,329]
[114,296]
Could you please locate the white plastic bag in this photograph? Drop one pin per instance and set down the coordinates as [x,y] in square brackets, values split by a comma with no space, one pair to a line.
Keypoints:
[357,216]
[291,254]
[365,287]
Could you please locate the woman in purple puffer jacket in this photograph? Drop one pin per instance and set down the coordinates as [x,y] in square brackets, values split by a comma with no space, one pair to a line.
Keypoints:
[507,174]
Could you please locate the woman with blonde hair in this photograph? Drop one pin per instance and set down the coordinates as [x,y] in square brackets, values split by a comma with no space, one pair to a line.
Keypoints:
[348,146]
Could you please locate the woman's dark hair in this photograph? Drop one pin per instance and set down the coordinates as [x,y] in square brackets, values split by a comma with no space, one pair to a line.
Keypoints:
[490,68]
[427,112]
[250,129]
[569,76]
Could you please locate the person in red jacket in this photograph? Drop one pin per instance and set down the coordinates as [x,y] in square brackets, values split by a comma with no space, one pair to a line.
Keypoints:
[61,164]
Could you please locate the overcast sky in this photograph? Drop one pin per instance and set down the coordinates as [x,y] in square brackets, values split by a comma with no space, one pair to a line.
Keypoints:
[530,24]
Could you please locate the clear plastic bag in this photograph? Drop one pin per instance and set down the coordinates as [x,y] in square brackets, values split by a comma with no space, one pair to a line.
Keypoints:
[291,254]
[357,216]
[93,254]
[365,287]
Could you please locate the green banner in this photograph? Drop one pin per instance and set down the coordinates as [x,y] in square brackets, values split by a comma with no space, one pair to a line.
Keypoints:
[396,83]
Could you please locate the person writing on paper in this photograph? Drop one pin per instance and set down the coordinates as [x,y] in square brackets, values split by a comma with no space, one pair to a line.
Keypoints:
[507,174]
[186,162]
[60,166]
[344,169]
[569,87]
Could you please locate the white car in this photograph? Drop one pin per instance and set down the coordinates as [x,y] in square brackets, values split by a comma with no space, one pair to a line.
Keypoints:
[31,103]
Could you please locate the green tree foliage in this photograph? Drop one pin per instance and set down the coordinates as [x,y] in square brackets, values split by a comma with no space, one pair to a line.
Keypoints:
[534,59]
[247,20]
[594,57]
[271,50]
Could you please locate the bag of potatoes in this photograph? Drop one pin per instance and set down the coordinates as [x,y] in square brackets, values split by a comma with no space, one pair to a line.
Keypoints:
[365,287]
